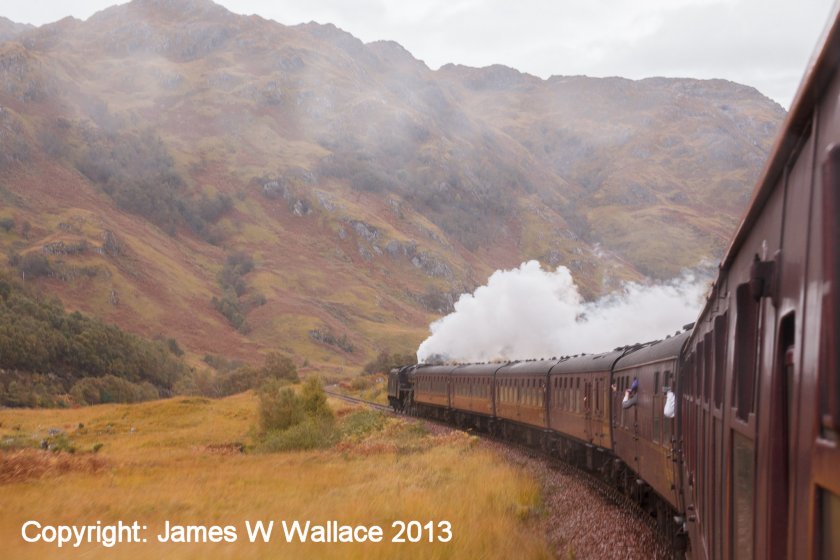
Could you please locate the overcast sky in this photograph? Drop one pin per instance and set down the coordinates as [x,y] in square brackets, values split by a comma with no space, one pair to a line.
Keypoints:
[762,43]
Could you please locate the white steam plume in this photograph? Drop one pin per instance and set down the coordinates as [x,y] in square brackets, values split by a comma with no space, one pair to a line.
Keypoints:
[528,312]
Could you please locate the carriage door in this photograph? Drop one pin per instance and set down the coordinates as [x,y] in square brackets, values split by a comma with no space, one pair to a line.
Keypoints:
[597,429]
[587,411]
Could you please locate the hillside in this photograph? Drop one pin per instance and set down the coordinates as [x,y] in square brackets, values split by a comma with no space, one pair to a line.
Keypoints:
[244,186]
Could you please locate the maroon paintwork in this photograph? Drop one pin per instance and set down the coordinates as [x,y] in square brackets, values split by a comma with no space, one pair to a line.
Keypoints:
[643,438]
[472,388]
[431,385]
[520,392]
[580,403]
[760,407]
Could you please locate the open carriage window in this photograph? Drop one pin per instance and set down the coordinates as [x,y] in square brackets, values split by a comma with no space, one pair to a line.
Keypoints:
[746,350]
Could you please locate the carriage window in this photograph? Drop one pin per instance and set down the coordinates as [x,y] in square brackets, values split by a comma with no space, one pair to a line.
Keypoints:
[830,522]
[657,407]
[746,347]
[597,395]
[666,422]
[688,375]
[720,349]
[828,383]
[743,473]
[707,365]
[567,399]
[562,404]
[699,370]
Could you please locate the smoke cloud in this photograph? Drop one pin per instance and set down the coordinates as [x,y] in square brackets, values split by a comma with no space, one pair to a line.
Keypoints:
[528,312]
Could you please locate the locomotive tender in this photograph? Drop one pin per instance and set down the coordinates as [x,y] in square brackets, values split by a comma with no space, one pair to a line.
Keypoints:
[749,467]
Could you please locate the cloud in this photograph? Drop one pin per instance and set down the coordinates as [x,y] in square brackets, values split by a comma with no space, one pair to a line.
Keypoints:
[529,312]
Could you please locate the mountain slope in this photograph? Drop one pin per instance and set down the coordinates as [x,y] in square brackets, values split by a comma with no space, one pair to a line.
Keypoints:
[154,150]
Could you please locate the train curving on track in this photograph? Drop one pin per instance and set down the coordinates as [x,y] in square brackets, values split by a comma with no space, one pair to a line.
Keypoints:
[748,464]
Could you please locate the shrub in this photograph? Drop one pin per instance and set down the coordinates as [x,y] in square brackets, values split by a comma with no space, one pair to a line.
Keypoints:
[278,366]
[32,265]
[238,381]
[327,337]
[174,347]
[232,280]
[362,423]
[229,307]
[311,433]
[220,363]
[280,408]
[112,389]
[385,361]
[315,399]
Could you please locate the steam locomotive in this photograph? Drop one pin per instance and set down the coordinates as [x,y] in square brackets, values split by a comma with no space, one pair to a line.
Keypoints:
[749,465]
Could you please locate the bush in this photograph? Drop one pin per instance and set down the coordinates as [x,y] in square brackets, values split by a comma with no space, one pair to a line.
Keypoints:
[220,363]
[386,361]
[280,408]
[111,389]
[232,280]
[312,433]
[362,423]
[174,347]
[315,400]
[278,366]
[327,337]
[289,421]
[229,307]
[32,265]
[7,224]
[238,381]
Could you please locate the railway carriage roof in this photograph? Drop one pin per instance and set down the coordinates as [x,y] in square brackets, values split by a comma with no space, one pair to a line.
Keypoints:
[589,363]
[527,367]
[657,351]
[428,369]
[478,369]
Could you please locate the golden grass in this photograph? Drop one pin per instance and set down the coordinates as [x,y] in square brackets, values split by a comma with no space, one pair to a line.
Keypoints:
[178,460]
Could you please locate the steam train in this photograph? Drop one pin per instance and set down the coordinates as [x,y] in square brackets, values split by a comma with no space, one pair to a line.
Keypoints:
[749,466]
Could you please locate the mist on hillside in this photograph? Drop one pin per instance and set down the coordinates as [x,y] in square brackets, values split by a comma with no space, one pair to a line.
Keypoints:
[531,312]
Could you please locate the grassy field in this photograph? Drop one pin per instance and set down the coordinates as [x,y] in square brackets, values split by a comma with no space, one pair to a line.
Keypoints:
[179,460]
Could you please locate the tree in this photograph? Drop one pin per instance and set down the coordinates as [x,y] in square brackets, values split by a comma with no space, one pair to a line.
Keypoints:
[315,400]
[280,408]
[385,361]
[278,366]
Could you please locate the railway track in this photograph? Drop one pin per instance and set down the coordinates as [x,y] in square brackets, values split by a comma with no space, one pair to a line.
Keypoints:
[605,491]
[354,400]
